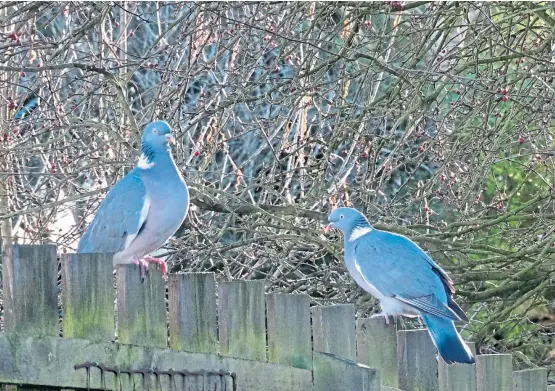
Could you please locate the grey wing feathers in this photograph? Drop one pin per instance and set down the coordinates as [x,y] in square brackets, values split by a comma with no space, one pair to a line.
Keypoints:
[431,305]
[119,217]
[397,267]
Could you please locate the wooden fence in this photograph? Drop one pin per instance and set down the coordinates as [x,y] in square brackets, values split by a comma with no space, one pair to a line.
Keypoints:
[208,336]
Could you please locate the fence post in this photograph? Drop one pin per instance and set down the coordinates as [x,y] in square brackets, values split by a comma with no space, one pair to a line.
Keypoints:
[377,348]
[88,296]
[416,356]
[31,311]
[332,372]
[192,312]
[494,372]
[289,337]
[242,319]
[333,330]
[530,380]
[141,307]
[458,377]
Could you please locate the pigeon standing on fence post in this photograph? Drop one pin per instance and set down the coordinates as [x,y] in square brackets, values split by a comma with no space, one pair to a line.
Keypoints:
[404,278]
[144,209]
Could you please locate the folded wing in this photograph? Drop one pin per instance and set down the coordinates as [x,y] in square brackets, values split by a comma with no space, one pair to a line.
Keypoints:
[119,218]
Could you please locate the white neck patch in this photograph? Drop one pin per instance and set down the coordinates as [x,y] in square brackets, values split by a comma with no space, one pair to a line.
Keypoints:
[358,232]
[143,163]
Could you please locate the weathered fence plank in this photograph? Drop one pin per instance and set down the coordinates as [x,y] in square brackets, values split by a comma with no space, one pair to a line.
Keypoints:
[289,338]
[332,372]
[530,380]
[333,330]
[494,372]
[50,361]
[88,296]
[416,356]
[457,377]
[242,319]
[141,307]
[377,348]
[192,312]
[31,311]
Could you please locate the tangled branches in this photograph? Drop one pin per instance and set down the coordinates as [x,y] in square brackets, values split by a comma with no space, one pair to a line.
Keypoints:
[434,118]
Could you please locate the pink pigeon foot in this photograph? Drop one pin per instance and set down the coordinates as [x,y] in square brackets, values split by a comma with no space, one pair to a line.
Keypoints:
[143,267]
[159,262]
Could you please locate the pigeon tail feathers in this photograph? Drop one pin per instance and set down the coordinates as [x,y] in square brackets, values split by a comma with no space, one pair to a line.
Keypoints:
[447,340]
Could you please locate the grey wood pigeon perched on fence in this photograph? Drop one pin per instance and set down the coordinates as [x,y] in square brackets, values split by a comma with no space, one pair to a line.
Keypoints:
[404,278]
[144,209]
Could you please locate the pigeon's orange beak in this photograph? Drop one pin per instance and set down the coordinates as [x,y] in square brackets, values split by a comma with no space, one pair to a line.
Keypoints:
[328,228]
[170,139]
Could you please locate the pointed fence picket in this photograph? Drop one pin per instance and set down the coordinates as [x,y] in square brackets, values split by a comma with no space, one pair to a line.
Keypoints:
[207,335]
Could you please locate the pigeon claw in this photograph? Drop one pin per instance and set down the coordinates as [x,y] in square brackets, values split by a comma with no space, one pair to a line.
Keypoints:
[161,264]
[143,267]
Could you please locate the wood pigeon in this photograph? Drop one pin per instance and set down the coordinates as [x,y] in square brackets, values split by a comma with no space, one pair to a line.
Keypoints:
[144,209]
[404,278]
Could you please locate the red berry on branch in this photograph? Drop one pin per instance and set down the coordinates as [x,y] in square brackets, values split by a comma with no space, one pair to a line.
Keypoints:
[520,139]
[131,33]
[504,98]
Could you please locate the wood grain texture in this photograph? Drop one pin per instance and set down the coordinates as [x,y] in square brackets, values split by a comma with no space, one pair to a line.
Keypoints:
[333,330]
[30,295]
[416,355]
[193,320]
[49,361]
[289,334]
[377,348]
[530,380]
[88,296]
[141,307]
[494,372]
[458,377]
[242,319]
[332,372]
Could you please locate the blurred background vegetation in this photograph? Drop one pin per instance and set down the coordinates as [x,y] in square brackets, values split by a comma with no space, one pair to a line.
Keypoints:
[436,119]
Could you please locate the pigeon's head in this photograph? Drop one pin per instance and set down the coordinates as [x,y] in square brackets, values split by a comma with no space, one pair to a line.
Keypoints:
[346,219]
[157,136]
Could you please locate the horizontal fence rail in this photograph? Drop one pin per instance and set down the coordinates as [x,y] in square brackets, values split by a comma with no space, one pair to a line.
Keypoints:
[193,332]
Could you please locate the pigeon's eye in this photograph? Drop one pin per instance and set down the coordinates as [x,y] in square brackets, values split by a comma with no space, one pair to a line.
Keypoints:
[155,131]
[341,216]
